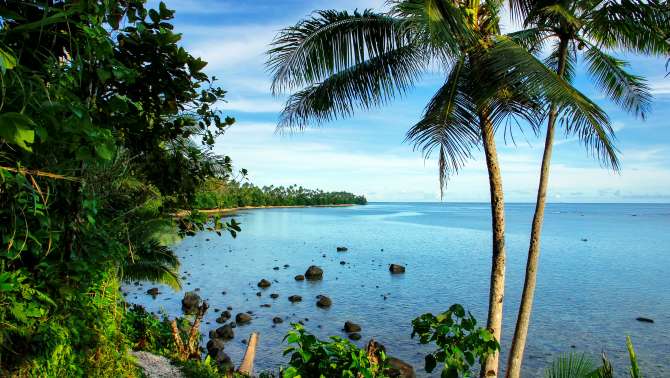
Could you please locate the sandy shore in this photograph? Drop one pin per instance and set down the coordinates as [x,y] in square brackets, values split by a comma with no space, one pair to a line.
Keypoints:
[234,209]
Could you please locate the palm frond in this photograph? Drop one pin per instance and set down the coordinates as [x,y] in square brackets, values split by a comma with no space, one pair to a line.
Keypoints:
[570,366]
[370,83]
[626,90]
[507,61]
[554,57]
[532,39]
[153,262]
[439,25]
[448,124]
[329,42]
[635,25]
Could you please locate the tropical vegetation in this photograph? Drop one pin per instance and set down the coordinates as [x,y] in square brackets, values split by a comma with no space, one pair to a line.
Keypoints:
[221,194]
[99,111]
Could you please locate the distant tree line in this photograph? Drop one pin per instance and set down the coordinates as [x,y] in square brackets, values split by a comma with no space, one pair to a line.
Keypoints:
[216,193]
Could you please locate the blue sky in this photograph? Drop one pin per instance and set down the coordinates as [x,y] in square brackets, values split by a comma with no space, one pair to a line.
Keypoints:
[365,154]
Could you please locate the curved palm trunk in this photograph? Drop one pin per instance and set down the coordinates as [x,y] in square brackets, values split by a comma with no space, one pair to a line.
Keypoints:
[526,306]
[497,288]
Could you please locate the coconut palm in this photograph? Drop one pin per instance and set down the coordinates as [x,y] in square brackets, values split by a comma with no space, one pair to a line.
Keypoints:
[589,27]
[339,62]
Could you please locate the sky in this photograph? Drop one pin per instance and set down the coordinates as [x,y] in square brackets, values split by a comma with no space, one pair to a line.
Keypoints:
[366,154]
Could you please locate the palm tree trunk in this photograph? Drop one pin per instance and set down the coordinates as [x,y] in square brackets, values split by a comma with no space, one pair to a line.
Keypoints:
[497,288]
[526,306]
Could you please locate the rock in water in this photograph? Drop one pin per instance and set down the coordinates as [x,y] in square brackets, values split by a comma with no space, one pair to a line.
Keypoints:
[277,320]
[153,291]
[644,320]
[242,318]
[274,295]
[355,336]
[314,273]
[323,302]
[190,303]
[214,346]
[223,317]
[299,277]
[342,249]
[225,332]
[350,327]
[295,298]
[264,283]
[224,361]
[400,369]
[396,269]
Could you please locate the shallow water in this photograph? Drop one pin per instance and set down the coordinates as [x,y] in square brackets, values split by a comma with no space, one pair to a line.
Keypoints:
[588,296]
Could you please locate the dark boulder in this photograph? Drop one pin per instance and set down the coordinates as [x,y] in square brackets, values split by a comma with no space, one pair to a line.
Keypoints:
[223,317]
[299,277]
[342,249]
[396,269]
[214,346]
[295,298]
[400,369]
[644,320]
[223,361]
[350,327]
[355,336]
[314,273]
[277,320]
[324,301]
[274,295]
[225,332]
[153,291]
[242,318]
[264,283]
[190,303]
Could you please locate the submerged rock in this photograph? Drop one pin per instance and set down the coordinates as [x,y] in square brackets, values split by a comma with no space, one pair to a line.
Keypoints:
[274,295]
[277,320]
[342,249]
[295,298]
[314,273]
[644,320]
[153,291]
[264,283]
[242,318]
[190,303]
[396,269]
[223,317]
[299,277]
[350,327]
[324,301]
[355,336]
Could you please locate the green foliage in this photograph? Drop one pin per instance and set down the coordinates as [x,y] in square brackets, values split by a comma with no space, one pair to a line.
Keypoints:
[217,193]
[460,343]
[573,365]
[201,369]
[145,331]
[99,111]
[311,357]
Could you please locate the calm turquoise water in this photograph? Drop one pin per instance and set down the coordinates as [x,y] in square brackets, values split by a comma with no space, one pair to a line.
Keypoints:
[589,292]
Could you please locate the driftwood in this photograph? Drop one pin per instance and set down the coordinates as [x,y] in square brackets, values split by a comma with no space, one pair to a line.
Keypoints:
[247,365]
[191,348]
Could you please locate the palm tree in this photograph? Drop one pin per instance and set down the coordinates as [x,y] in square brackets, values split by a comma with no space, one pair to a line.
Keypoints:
[340,62]
[590,26]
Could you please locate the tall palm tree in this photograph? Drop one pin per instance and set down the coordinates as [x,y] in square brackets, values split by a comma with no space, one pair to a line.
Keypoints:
[340,62]
[590,27]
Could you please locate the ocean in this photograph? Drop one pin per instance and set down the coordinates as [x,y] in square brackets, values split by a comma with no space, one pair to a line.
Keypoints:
[602,266]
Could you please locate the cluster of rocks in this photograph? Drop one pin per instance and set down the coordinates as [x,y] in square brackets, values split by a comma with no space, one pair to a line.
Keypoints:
[219,336]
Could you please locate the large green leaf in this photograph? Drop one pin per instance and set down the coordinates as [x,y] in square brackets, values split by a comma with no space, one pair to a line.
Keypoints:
[17,129]
[7,61]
